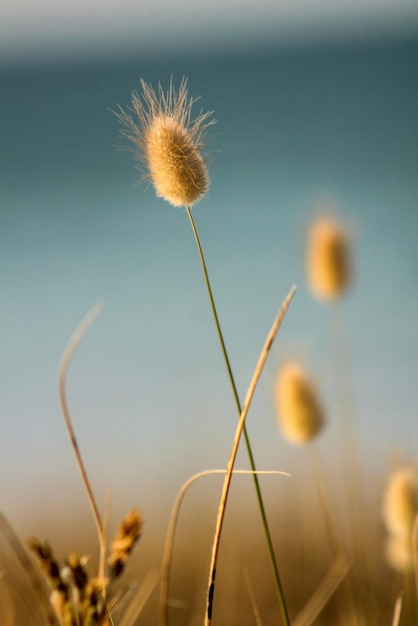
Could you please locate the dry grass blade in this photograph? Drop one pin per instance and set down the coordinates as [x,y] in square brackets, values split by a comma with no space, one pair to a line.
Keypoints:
[415,554]
[415,551]
[29,569]
[253,601]
[323,593]
[397,611]
[227,482]
[8,613]
[136,604]
[168,549]
[62,376]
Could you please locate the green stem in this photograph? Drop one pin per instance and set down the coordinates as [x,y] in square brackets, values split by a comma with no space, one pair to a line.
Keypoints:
[278,584]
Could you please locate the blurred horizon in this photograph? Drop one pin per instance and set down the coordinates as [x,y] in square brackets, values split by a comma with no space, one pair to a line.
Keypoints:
[61,32]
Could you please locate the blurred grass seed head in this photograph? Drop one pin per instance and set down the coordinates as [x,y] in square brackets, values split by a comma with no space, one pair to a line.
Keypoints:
[329,267]
[299,411]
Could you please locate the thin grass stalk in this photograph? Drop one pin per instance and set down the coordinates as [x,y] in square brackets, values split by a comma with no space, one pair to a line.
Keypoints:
[415,557]
[253,599]
[397,611]
[227,482]
[139,599]
[168,549]
[276,575]
[410,606]
[7,609]
[350,445]
[337,548]
[323,593]
[322,491]
[62,375]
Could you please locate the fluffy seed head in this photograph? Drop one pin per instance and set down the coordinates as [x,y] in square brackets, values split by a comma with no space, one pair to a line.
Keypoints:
[298,408]
[328,259]
[169,142]
[401,502]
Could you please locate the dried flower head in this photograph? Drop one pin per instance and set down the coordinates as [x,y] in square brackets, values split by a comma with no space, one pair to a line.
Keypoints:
[299,411]
[127,535]
[49,565]
[169,142]
[77,598]
[401,502]
[328,259]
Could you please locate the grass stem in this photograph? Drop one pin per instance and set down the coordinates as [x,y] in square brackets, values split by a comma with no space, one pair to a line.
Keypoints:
[169,543]
[276,575]
[62,376]
[238,432]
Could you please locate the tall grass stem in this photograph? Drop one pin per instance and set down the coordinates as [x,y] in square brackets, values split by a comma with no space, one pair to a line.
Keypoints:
[238,432]
[276,575]
[349,432]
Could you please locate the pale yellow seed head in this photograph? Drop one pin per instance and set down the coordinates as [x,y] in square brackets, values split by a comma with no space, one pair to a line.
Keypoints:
[169,143]
[401,502]
[328,259]
[399,553]
[298,408]
[175,164]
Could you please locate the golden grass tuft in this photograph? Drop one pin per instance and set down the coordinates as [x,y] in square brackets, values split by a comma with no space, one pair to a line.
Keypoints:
[168,142]
[328,259]
[299,411]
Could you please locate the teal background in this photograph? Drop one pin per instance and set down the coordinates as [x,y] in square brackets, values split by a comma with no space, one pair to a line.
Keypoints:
[299,128]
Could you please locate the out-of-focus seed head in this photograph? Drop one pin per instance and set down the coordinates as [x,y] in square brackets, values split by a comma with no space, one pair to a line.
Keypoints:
[298,407]
[127,536]
[329,270]
[400,505]
[168,142]
[399,553]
